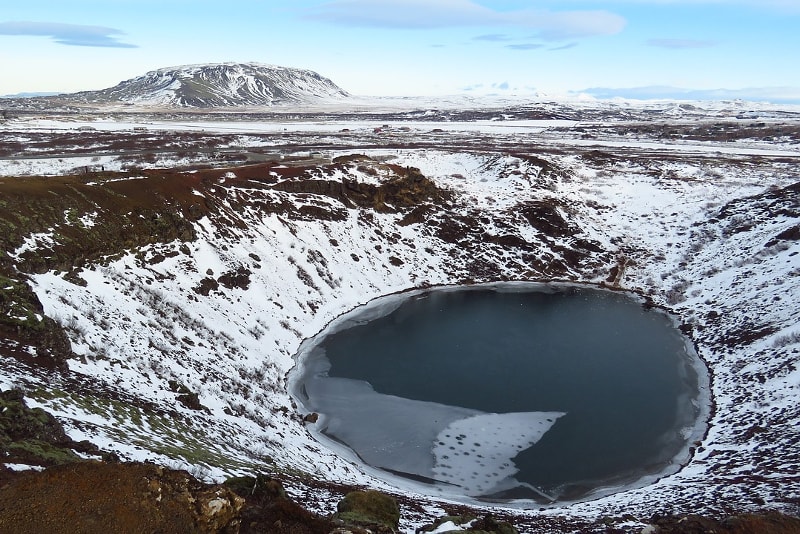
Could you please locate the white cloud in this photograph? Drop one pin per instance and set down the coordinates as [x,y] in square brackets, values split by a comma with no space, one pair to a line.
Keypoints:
[564,47]
[498,88]
[525,46]
[777,95]
[67,34]
[493,37]
[428,14]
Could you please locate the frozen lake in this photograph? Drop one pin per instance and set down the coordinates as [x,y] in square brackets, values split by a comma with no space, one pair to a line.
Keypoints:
[512,391]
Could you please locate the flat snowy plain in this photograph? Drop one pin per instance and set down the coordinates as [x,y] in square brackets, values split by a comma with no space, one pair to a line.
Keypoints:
[702,226]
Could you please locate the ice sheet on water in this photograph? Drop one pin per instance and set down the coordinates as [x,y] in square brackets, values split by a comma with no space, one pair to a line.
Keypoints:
[475,453]
[387,432]
[455,446]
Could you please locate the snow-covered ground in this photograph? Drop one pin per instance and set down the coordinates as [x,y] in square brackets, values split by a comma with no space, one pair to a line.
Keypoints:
[695,228]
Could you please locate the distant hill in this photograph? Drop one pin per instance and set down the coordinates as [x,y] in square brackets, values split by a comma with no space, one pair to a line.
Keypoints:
[211,86]
[28,95]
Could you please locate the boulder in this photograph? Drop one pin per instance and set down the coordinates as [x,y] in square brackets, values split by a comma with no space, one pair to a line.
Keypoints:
[369,509]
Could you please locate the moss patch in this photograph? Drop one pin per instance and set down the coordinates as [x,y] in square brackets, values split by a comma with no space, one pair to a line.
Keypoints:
[369,508]
[31,435]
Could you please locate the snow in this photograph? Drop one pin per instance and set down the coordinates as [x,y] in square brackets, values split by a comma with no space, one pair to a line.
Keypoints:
[657,205]
[6,383]
[685,147]
[23,467]
[298,126]
[77,165]
[449,526]
[34,242]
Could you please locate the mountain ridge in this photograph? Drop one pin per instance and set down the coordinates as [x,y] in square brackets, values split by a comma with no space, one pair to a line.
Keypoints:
[213,85]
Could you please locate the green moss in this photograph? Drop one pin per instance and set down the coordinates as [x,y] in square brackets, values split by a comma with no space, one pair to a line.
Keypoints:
[35,451]
[71,216]
[31,435]
[180,438]
[369,508]
[19,307]
[18,421]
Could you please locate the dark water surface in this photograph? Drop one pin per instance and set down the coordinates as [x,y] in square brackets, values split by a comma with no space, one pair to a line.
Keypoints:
[523,391]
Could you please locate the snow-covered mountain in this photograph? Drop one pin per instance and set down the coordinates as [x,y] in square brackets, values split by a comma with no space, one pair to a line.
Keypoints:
[218,85]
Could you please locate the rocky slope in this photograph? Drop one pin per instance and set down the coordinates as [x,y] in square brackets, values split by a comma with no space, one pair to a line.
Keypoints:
[79,495]
[156,312]
[210,86]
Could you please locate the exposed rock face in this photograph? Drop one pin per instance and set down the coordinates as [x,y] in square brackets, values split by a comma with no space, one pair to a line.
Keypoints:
[115,218]
[408,188]
[22,319]
[268,509]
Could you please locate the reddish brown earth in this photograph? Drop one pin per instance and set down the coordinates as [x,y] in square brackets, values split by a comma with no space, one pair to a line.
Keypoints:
[103,497]
[111,497]
[96,497]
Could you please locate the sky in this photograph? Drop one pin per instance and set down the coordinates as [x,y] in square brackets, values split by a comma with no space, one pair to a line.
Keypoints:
[635,48]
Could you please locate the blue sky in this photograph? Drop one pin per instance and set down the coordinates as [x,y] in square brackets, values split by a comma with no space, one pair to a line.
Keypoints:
[417,47]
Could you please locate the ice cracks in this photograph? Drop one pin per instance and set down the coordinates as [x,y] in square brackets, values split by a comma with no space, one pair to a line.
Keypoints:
[448,446]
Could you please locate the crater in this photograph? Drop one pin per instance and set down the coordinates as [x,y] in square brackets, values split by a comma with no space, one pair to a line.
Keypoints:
[524,393]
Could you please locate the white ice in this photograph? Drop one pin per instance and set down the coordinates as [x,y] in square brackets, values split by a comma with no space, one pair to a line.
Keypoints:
[476,453]
[450,445]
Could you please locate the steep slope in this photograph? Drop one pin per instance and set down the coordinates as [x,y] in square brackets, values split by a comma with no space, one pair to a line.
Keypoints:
[185,294]
[218,85]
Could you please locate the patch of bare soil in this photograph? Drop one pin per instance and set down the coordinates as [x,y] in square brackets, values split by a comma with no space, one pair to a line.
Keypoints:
[98,497]
[105,497]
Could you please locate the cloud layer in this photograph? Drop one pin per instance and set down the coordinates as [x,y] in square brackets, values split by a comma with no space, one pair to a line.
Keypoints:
[778,95]
[67,34]
[429,14]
